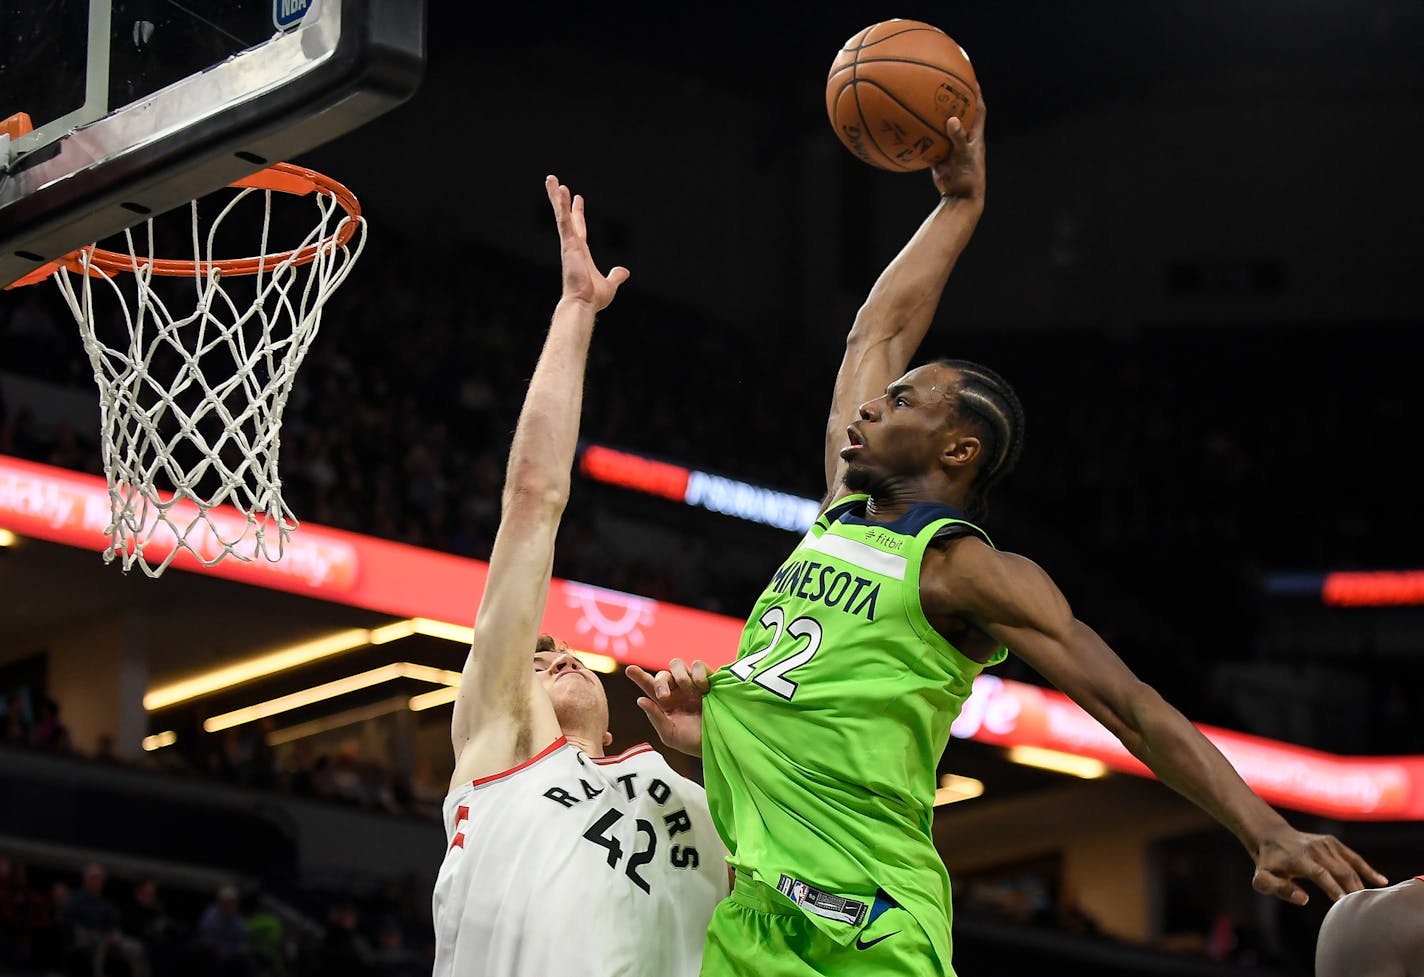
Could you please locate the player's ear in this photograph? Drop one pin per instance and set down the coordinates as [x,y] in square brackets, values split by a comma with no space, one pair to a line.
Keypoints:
[607,738]
[960,450]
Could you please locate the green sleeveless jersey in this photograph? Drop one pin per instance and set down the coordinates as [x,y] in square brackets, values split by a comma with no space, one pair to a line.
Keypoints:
[821,741]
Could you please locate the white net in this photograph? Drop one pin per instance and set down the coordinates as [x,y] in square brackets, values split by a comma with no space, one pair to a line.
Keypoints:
[194,373]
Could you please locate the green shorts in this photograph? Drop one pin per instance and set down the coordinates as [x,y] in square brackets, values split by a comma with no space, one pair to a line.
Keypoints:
[758,932]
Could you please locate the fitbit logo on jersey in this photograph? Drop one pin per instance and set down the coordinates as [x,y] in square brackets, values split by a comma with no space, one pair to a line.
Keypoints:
[828,584]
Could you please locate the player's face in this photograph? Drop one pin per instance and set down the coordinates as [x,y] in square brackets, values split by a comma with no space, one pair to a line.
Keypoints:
[577,693]
[900,433]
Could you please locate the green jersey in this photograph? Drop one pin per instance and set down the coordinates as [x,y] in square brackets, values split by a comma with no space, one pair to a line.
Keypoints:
[820,742]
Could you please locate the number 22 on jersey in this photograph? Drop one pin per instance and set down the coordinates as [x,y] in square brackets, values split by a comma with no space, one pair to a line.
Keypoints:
[774,678]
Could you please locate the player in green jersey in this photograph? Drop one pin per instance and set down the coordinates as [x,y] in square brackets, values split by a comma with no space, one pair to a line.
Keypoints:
[820,742]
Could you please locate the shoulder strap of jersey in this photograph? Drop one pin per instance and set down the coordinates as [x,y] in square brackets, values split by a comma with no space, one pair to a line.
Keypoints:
[955,528]
[840,507]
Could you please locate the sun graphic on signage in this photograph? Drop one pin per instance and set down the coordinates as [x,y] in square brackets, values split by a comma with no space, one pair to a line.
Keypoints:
[615,620]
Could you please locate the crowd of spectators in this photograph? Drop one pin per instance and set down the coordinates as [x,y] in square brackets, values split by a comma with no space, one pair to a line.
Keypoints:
[53,924]
[340,772]
[37,724]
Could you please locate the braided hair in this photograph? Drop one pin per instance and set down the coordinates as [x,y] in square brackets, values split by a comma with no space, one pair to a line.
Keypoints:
[987,401]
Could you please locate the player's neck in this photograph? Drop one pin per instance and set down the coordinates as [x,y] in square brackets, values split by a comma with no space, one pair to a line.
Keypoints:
[590,745]
[892,500]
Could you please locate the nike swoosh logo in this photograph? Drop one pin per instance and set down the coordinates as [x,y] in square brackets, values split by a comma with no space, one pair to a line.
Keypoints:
[862,945]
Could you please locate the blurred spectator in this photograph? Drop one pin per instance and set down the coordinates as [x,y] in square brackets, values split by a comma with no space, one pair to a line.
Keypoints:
[345,779]
[393,958]
[27,936]
[222,937]
[106,752]
[343,951]
[12,900]
[261,759]
[92,927]
[266,936]
[146,919]
[297,772]
[48,733]
[65,451]
[16,720]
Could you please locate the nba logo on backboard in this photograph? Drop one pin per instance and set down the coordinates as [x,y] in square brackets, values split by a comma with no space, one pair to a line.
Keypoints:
[287,14]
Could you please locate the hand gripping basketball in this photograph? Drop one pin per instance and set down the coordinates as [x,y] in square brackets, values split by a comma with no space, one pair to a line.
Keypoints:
[960,175]
[583,282]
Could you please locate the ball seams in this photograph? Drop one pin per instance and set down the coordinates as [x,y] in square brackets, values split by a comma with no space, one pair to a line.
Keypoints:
[908,30]
[970,86]
[940,133]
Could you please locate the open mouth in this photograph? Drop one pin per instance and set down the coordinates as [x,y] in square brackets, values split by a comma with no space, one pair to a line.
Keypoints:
[856,442]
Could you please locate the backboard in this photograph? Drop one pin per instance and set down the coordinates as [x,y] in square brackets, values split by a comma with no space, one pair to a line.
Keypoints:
[140,106]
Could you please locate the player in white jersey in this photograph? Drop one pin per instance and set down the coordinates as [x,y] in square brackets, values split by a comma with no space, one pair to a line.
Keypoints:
[1374,933]
[560,860]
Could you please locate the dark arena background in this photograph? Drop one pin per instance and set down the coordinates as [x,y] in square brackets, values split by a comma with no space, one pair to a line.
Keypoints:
[1199,265]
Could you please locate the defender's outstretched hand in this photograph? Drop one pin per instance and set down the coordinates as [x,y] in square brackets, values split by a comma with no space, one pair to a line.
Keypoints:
[1323,859]
[672,700]
[960,175]
[583,282]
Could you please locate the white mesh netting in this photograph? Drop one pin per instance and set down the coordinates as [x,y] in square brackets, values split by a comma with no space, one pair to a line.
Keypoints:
[194,373]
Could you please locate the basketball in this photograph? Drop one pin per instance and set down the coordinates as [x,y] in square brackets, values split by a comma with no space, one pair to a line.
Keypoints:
[892,88]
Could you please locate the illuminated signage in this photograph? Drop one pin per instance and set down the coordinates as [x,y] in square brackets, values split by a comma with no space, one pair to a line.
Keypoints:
[715,493]
[71,508]
[1352,588]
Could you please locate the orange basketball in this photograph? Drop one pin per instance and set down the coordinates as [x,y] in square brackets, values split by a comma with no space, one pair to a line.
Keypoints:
[892,88]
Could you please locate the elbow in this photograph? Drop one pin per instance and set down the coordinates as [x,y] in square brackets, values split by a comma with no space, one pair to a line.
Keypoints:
[536,490]
[1141,718]
[874,324]
[1129,713]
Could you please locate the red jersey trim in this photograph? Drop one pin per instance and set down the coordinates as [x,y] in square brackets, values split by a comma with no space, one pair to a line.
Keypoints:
[632,751]
[561,741]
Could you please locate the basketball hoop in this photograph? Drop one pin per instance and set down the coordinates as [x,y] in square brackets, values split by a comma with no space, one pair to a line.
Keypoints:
[193,378]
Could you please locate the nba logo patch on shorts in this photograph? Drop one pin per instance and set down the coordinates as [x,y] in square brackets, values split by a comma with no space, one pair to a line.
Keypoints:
[826,904]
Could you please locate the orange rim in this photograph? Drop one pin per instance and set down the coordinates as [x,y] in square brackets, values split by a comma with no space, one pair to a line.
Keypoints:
[280,177]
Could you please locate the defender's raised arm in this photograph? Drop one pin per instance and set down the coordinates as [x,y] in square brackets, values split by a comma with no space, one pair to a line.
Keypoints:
[501,715]
[901,305]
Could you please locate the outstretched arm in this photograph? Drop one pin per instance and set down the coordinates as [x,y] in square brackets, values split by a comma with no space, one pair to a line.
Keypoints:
[1014,601]
[502,716]
[901,305]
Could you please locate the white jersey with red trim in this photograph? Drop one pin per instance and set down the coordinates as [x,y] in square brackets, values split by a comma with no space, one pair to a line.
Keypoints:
[577,866]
